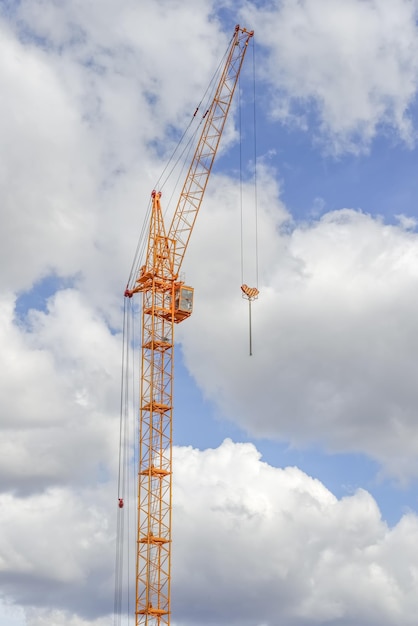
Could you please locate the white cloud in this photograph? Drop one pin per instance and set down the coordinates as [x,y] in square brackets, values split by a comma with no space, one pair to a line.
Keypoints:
[333,329]
[56,548]
[252,544]
[42,617]
[132,59]
[59,393]
[407,222]
[86,96]
[44,190]
[274,545]
[353,63]
[84,90]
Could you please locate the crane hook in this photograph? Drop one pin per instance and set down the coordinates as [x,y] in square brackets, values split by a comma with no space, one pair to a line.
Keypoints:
[250,294]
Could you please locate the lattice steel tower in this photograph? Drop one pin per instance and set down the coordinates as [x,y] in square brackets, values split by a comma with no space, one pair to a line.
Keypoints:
[166,301]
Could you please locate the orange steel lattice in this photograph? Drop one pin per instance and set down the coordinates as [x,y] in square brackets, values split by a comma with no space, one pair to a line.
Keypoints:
[166,301]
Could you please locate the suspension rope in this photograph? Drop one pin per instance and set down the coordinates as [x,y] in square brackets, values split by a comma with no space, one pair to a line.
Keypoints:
[160,185]
[179,155]
[190,143]
[184,158]
[140,248]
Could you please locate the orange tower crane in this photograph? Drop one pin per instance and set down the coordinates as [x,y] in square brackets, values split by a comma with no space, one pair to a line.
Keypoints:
[167,301]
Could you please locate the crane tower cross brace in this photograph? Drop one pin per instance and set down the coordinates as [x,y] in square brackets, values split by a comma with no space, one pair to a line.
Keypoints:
[167,301]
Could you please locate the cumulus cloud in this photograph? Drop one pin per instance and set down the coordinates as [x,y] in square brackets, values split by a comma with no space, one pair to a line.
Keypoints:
[352,65]
[85,97]
[59,393]
[86,94]
[55,548]
[44,190]
[278,547]
[253,544]
[333,330]
[127,77]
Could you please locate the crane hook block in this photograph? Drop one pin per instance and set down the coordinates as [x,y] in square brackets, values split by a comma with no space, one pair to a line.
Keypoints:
[120,502]
[250,293]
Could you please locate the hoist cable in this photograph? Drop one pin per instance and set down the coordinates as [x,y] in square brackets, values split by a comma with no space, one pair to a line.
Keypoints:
[126,430]
[122,390]
[117,609]
[131,465]
[241,183]
[240,179]
[255,164]
[249,293]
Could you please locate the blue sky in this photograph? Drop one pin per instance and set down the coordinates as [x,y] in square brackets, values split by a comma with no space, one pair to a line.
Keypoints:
[380,182]
[295,486]
[198,424]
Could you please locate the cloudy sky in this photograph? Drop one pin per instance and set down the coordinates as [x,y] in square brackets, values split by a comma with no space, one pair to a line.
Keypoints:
[296,469]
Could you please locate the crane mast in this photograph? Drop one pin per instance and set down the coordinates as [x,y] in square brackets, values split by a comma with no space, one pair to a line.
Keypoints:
[166,301]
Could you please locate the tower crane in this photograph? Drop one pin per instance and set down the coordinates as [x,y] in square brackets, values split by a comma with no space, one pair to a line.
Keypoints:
[167,301]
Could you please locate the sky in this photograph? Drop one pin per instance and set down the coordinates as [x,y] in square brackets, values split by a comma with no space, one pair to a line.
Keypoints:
[295,469]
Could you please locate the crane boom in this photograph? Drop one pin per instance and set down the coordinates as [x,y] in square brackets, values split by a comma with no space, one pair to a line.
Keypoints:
[200,168]
[165,302]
